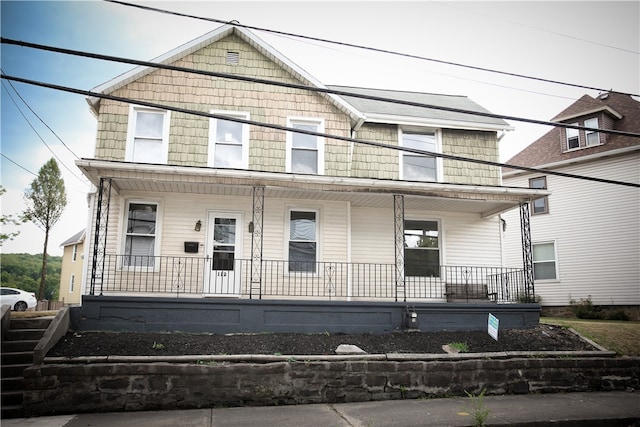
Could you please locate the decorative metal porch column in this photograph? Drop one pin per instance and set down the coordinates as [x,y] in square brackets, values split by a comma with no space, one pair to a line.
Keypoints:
[398,216]
[527,252]
[100,236]
[257,224]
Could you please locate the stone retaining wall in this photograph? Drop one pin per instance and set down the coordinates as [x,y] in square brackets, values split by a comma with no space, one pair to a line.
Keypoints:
[102,387]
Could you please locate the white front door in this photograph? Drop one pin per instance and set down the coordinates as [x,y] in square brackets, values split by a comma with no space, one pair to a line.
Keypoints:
[223,269]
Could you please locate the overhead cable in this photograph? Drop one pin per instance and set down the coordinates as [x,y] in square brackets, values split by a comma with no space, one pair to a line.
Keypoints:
[373,49]
[308,88]
[313,133]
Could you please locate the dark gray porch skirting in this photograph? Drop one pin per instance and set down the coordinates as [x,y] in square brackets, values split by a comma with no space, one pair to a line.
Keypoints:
[221,316]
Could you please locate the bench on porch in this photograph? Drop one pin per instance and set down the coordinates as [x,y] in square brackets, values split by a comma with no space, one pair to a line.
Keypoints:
[465,292]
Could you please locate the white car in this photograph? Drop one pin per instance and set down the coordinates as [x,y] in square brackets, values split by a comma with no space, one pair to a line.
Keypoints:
[18,299]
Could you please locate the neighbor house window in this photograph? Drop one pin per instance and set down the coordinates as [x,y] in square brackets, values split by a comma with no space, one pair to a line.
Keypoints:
[303,244]
[592,137]
[74,256]
[140,236]
[72,282]
[229,142]
[544,261]
[305,153]
[541,205]
[147,136]
[573,138]
[421,248]
[418,167]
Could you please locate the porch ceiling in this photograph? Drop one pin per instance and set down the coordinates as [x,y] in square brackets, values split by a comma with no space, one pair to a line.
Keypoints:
[483,200]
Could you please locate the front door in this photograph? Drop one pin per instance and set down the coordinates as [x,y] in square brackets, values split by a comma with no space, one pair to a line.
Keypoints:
[223,272]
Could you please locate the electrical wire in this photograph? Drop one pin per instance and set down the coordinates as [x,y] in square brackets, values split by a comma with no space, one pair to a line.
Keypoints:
[313,133]
[18,165]
[373,49]
[304,87]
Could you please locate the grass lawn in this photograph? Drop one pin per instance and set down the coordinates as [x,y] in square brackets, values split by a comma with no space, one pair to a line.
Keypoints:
[618,336]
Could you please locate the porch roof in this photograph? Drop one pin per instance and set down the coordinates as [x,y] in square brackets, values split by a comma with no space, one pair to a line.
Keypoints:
[365,192]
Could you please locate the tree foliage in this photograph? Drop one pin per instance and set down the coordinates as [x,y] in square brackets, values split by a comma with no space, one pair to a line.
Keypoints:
[22,271]
[7,220]
[45,201]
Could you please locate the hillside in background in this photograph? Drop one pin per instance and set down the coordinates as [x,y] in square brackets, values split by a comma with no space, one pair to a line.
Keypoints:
[22,271]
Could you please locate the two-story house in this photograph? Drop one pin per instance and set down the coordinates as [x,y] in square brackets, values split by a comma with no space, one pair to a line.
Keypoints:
[277,191]
[585,234]
[72,269]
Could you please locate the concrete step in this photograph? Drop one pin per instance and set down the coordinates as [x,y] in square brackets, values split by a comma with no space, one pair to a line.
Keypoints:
[35,323]
[14,370]
[12,383]
[24,334]
[11,411]
[22,345]
[16,358]
[10,398]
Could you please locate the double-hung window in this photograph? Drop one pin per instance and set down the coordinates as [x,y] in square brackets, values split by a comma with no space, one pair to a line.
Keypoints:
[421,249]
[229,141]
[74,255]
[573,138]
[541,205]
[303,243]
[147,135]
[592,137]
[72,283]
[544,261]
[305,152]
[419,167]
[140,234]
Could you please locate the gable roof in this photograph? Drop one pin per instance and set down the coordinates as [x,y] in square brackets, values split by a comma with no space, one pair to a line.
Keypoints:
[390,112]
[209,38]
[547,150]
[76,238]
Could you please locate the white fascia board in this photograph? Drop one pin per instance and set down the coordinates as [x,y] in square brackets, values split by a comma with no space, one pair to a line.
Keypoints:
[319,180]
[574,161]
[605,108]
[432,123]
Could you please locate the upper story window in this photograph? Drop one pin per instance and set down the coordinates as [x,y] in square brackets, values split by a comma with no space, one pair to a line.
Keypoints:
[541,205]
[229,142]
[303,241]
[140,234]
[573,138]
[419,167]
[147,135]
[592,137]
[74,255]
[305,153]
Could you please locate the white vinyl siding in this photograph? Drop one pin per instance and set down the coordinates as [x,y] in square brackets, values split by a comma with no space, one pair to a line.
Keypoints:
[598,253]
[147,135]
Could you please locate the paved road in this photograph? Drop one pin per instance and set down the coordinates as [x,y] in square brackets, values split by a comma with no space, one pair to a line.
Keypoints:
[560,409]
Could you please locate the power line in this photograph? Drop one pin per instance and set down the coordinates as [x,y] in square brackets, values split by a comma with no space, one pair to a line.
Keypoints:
[304,87]
[39,118]
[307,132]
[38,134]
[373,49]
[18,165]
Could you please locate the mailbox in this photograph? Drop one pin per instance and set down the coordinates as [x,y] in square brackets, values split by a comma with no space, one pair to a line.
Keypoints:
[191,247]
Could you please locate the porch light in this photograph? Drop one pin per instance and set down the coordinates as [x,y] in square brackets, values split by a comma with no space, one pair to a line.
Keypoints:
[198,225]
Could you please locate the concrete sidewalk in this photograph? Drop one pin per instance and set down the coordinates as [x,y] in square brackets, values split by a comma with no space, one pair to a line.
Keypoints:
[559,409]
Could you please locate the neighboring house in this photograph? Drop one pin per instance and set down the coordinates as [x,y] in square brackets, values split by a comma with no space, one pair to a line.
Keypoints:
[200,206]
[585,234]
[71,274]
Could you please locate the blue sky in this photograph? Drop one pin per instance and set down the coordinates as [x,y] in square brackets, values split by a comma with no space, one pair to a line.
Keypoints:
[590,43]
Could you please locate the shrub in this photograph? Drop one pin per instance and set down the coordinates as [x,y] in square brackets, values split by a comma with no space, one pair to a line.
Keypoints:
[617,314]
[584,309]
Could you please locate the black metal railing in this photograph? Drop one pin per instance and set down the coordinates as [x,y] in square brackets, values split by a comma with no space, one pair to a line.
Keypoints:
[193,276]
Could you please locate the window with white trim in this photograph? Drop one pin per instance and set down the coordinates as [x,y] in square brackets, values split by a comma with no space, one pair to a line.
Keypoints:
[592,137]
[545,263]
[74,256]
[229,141]
[147,135]
[418,167]
[305,153]
[72,282]
[541,205]
[303,243]
[140,234]
[573,137]
[421,248]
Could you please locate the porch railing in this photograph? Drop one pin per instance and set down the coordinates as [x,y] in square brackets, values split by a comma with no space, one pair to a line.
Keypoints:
[193,276]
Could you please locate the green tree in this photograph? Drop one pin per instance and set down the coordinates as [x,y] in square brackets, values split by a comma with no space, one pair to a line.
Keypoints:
[7,220]
[45,201]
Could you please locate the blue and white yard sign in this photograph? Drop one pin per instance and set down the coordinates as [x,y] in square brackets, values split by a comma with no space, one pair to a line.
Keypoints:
[493,326]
